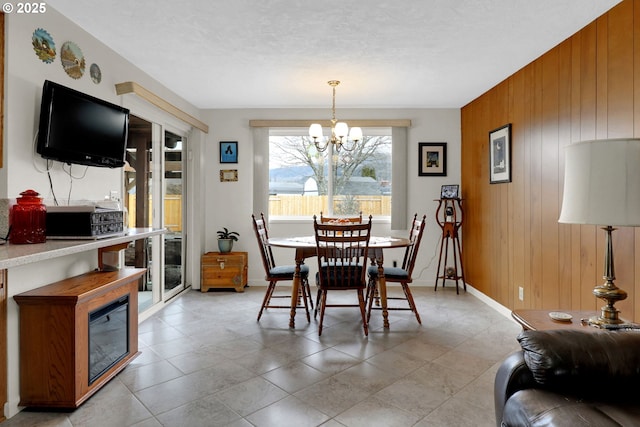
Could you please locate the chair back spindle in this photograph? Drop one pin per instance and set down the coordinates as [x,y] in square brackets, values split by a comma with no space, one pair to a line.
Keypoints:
[342,251]
[341,219]
[415,236]
[262,235]
[401,275]
[275,274]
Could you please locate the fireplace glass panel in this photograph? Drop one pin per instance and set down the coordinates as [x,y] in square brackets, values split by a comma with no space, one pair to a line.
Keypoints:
[108,336]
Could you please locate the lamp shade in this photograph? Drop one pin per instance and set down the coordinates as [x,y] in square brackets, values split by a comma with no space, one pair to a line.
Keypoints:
[315,130]
[341,129]
[355,134]
[602,183]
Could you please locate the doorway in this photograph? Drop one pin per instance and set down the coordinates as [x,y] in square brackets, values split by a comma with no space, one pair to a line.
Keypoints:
[155,197]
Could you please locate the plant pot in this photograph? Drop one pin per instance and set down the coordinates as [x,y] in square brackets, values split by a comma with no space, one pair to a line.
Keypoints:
[225,245]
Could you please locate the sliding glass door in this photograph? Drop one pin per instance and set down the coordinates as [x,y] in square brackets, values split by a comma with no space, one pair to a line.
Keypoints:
[155,197]
[173,208]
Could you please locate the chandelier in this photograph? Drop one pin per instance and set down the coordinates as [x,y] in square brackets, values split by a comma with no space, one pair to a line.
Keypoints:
[339,130]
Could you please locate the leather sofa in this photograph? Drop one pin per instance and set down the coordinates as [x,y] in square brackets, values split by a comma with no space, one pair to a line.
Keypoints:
[570,378]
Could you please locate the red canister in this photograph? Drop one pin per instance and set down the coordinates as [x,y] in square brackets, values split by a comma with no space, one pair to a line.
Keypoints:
[28,219]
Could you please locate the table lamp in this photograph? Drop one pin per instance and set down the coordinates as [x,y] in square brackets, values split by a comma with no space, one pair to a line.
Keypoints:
[602,187]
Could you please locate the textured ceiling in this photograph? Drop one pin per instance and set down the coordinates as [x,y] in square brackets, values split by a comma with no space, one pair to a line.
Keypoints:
[280,53]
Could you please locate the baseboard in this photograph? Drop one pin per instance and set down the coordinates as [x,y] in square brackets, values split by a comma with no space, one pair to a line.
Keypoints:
[11,408]
[476,293]
[490,302]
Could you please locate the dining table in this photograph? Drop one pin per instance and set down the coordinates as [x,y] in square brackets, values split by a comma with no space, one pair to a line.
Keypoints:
[305,247]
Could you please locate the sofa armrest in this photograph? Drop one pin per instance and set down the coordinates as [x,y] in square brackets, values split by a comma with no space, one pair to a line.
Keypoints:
[584,363]
[513,375]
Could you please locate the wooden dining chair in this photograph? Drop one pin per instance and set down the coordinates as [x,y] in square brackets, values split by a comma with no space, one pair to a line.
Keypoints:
[402,275]
[352,219]
[336,220]
[342,251]
[278,273]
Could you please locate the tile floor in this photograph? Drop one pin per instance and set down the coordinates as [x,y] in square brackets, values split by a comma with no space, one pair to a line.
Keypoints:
[206,362]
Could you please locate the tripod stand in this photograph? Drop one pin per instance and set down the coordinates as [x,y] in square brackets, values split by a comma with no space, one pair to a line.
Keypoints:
[447,218]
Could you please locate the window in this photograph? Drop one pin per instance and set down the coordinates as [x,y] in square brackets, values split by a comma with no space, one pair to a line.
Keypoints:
[304,181]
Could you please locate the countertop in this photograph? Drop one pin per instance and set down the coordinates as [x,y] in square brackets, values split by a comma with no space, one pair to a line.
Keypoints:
[12,255]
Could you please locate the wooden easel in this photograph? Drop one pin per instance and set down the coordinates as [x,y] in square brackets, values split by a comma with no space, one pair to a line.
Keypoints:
[450,219]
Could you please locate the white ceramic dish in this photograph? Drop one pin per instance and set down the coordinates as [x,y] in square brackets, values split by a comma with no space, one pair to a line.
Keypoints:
[560,316]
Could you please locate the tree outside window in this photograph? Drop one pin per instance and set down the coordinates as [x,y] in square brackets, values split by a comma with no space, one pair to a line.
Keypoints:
[303,181]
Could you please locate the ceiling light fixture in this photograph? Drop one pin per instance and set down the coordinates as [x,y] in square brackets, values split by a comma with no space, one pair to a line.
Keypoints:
[339,130]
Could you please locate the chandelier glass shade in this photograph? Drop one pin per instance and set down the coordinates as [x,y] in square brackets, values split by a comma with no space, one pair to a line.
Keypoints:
[340,133]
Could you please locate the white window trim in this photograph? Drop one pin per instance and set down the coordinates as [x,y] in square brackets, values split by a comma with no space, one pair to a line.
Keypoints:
[399,166]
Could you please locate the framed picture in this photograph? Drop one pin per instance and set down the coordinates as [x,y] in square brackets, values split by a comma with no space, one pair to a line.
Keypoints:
[449,192]
[228,151]
[500,155]
[433,159]
[228,175]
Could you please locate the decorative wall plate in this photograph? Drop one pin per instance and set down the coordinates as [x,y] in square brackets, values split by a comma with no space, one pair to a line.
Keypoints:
[95,73]
[72,60]
[44,45]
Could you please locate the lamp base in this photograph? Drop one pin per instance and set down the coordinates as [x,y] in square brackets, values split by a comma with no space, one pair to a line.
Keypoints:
[609,292]
[604,323]
[599,322]
[609,315]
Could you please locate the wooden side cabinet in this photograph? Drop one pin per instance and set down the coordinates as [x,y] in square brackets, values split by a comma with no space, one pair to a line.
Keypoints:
[68,332]
[224,271]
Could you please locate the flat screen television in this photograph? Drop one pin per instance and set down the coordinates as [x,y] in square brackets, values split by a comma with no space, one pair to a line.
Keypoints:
[77,128]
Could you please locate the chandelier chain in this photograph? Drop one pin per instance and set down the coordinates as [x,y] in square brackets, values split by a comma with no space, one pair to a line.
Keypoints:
[333,84]
[339,131]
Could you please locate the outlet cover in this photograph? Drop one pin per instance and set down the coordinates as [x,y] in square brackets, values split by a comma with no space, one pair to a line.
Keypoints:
[521,293]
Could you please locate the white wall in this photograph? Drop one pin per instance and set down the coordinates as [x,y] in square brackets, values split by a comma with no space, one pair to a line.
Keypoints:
[216,204]
[229,204]
[25,74]
[24,77]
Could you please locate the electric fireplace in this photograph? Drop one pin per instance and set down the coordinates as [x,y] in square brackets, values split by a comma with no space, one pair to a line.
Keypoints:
[108,336]
[76,335]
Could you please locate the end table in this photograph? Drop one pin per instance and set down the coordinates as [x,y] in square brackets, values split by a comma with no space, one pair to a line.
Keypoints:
[539,320]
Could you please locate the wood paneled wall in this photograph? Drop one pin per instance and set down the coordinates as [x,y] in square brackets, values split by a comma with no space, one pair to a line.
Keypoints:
[588,87]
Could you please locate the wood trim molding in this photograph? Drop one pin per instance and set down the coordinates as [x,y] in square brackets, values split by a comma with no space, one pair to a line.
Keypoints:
[3,273]
[147,95]
[327,123]
[2,88]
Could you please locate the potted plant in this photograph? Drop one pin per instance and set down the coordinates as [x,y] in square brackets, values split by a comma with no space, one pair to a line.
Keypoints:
[226,239]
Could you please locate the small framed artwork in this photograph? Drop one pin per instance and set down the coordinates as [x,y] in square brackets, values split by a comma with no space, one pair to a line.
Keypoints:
[433,159]
[228,175]
[228,151]
[449,192]
[500,155]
